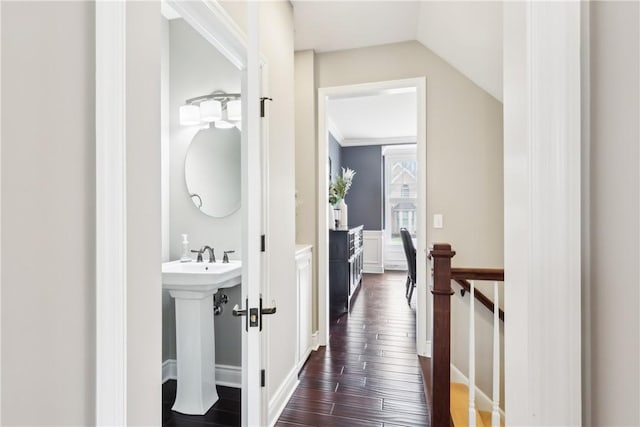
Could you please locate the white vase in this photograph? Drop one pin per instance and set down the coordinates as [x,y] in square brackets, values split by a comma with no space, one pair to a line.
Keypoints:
[344,218]
[332,218]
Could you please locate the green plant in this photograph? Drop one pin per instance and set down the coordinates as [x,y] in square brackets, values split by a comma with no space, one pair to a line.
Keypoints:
[333,196]
[343,182]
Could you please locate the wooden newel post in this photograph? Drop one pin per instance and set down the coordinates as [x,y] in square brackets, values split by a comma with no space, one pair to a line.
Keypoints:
[441,354]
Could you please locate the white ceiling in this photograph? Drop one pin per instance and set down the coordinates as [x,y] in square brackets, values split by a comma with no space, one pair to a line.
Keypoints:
[468,35]
[375,119]
[336,25]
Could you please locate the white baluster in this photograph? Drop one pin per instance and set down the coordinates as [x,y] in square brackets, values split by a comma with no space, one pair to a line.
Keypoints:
[495,413]
[472,357]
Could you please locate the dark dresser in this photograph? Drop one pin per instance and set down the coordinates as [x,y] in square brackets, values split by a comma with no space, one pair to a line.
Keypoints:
[345,267]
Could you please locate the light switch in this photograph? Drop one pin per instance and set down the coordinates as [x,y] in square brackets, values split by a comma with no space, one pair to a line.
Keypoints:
[437,221]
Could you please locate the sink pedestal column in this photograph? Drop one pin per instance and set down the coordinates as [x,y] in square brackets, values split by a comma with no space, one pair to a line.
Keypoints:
[195,347]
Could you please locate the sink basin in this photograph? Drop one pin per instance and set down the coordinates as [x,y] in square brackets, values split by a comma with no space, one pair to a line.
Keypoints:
[193,284]
[200,276]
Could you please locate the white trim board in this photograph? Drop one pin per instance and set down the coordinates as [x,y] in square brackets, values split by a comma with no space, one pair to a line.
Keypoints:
[111,210]
[398,140]
[315,344]
[333,130]
[226,375]
[214,24]
[282,396]
[0,216]
[423,323]
[542,215]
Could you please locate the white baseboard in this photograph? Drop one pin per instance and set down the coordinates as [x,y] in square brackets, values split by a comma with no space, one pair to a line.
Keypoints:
[229,376]
[483,402]
[226,375]
[395,267]
[315,341]
[282,395]
[169,370]
[303,359]
[424,348]
[372,268]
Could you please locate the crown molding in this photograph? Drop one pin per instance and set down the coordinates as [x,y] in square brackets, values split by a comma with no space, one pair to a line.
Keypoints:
[356,142]
[333,130]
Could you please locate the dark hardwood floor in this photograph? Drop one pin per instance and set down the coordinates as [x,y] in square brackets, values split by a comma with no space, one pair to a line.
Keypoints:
[226,411]
[369,374]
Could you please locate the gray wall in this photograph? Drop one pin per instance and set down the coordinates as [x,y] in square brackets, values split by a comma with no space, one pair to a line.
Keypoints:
[335,154]
[197,68]
[614,210]
[48,213]
[365,196]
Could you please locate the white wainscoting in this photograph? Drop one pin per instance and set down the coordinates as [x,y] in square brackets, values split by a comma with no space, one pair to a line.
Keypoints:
[373,251]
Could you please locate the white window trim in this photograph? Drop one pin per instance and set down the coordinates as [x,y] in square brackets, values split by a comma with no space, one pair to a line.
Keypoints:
[394,151]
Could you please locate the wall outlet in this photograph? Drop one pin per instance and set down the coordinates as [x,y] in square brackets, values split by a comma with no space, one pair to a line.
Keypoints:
[437,221]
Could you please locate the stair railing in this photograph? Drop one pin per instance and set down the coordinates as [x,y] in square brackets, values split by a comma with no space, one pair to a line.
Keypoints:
[443,274]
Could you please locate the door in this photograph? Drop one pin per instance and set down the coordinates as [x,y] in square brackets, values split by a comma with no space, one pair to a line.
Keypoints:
[213,22]
[253,410]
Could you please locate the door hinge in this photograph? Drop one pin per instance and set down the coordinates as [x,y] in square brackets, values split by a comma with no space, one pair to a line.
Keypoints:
[263,243]
[264,98]
[262,378]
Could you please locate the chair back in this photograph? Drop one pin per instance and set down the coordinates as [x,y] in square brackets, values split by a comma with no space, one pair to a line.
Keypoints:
[409,252]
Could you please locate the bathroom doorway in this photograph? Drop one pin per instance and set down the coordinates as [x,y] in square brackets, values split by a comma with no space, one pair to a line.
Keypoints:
[212,213]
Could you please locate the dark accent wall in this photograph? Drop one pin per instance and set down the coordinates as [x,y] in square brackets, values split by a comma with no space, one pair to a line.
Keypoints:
[335,154]
[365,196]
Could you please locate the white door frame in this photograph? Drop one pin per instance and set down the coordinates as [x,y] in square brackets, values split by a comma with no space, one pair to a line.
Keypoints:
[216,26]
[542,176]
[111,214]
[423,322]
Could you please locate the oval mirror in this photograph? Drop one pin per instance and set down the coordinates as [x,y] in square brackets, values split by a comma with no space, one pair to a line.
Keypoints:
[212,171]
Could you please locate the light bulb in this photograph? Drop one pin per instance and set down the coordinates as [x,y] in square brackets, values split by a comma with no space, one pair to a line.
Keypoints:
[210,110]
[189,115]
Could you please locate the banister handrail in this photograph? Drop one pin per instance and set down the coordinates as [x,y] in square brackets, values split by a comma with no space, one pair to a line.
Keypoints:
[482,298]
[489,274]
[440,256]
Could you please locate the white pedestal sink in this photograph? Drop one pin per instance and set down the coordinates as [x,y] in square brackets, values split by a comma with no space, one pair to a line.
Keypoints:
[192,285]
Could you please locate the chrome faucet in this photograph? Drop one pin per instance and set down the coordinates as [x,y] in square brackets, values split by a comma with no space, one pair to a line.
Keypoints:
[225,258]
[199,252]
[212,255]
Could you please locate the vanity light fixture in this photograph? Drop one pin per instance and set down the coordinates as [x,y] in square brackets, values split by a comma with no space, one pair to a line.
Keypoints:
[220,108]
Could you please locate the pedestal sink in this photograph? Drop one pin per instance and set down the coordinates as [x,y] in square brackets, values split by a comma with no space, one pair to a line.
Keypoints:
[193,284]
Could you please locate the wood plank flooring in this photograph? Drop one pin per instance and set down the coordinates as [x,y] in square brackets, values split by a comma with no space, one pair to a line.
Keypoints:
[225,412]
[369,374]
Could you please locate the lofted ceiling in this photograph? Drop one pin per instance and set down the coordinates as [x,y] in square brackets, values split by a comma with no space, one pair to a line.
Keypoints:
[466,34]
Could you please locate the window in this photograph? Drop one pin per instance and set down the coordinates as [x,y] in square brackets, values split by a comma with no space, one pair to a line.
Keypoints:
[401,185]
